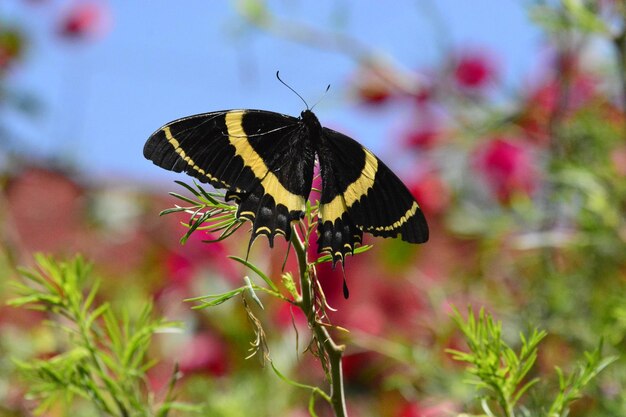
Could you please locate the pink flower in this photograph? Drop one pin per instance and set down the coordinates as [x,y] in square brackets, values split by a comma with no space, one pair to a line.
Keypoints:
[180,269]
[84,20]
[204,353]
[580,90]
[431,193]
[508,168]
[357,366]
[425,95]
[365,317]
[372,84]
[422,137]
[287,315]
[473,70]
[561,96]
[372,92]
[183,264]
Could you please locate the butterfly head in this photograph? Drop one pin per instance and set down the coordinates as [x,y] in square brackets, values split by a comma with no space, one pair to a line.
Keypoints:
[309,119]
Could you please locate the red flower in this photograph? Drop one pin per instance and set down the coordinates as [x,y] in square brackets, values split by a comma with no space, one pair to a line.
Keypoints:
[422,137]
[424,95]
[287,315]
[84,20]
[562,97]
[373,92]
[358,366]
[180,269]
[431,193]
[507,167]
[184,264]
[204,353]
[365,317]
[474,70]
[373,83]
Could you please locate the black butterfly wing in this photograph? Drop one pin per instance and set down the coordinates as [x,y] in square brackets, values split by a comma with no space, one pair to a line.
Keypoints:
[258,156]
[361,194]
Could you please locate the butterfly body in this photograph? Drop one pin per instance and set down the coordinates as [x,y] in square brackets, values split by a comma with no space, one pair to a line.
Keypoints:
[266,161]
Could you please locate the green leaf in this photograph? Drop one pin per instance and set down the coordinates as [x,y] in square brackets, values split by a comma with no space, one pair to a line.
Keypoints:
[299,384]
[252,293]
[176,209]
[188,187]
[186,199]
[213,300]
[254,268]
[585,19]
[290,285]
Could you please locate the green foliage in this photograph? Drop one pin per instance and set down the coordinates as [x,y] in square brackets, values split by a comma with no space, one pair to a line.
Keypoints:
[581,15]
[501,373]
[104,355]
[208,212]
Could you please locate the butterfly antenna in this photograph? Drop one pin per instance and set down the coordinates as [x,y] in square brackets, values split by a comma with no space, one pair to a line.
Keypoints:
[321,98]
[294,91]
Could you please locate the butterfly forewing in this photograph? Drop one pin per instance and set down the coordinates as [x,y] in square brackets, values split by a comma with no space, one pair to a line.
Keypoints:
[256,155]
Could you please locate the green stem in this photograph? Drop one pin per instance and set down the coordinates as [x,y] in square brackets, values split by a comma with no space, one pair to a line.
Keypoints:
[330,348]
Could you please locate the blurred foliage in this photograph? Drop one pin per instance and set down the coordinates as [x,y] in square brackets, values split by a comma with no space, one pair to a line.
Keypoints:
[105,356]
[502,373]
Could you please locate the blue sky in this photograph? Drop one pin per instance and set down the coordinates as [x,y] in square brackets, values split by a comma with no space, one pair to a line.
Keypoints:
[161,60]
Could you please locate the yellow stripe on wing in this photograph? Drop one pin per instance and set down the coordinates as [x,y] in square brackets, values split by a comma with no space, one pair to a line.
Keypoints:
[253,160]
[181,152]
[335,209]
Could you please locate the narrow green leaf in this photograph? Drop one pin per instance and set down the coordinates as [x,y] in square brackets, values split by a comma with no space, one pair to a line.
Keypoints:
[90,297]
[252,293]
[186,199]
[188,187]
[260,273]
[213,300]
[176,209]
[299,384]
[229,231]
[100,310]
[312,405]
[206,196]
[178,406]
[523,390]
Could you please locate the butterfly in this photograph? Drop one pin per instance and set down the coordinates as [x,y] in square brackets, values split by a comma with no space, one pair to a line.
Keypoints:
[266,161]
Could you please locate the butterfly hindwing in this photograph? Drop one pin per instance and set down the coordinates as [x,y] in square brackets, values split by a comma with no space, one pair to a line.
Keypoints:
[361,194]
[254,154]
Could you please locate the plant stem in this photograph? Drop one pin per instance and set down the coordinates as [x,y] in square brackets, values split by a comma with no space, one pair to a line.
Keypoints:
[330,348]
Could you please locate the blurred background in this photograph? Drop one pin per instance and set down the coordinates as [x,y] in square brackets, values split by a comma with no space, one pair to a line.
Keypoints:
[504,118]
